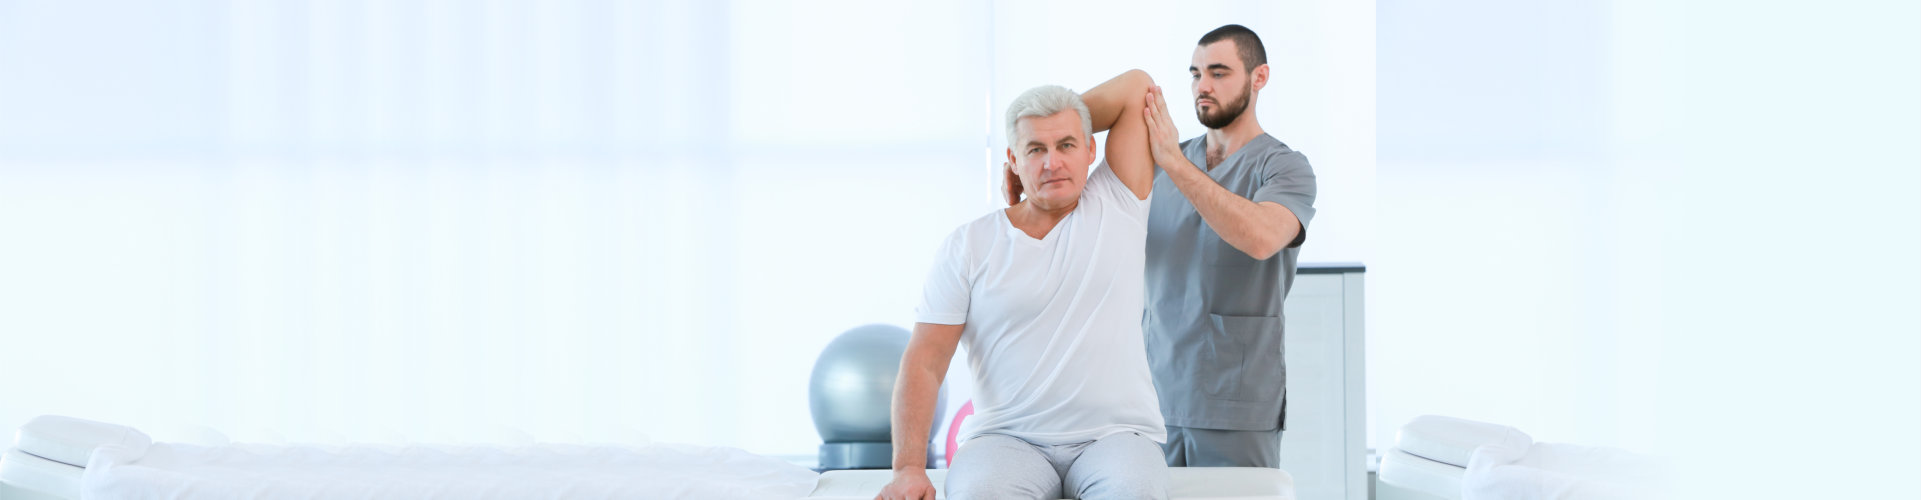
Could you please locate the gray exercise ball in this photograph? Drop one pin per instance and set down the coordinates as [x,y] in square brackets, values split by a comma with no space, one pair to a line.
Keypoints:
[851,395]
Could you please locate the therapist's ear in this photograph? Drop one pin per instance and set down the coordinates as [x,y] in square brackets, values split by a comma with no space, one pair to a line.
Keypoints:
[1260,77]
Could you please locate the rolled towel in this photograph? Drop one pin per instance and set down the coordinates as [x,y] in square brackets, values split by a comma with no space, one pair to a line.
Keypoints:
[1452,440]
[72,441]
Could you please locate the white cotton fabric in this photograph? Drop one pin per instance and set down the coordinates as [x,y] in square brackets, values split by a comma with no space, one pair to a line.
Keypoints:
[1555,471]
[173,471]
[71,440]
[1452,441]
[1053,325]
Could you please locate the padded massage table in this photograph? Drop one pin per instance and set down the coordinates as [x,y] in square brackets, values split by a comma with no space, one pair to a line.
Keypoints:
[51,455]
[1243,483]
[67,458]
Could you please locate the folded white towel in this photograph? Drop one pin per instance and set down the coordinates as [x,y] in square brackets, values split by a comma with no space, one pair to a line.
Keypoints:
[1554,471]
[1452,440]
[71,440]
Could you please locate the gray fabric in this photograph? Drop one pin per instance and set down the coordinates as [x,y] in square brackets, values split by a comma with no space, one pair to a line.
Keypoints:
[1213,321]
[996,466]
[1190,447]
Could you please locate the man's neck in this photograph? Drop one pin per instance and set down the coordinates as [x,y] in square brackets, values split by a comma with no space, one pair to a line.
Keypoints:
[1036,218]
[1223,142]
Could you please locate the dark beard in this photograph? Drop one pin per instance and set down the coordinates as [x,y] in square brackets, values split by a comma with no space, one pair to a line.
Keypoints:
[1228,112]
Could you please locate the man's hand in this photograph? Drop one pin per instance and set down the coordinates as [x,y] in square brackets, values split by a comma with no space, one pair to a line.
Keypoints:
[1163,141]
[1013,184]
[908,484]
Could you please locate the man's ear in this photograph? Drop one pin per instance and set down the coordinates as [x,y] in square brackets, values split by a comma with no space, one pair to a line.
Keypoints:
[1010,157]
[1260,77]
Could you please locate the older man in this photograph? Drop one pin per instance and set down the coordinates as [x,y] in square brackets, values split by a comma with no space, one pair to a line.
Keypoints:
[1047,296]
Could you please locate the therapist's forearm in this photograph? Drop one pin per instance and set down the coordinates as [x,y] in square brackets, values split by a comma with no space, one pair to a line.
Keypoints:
[1257,229]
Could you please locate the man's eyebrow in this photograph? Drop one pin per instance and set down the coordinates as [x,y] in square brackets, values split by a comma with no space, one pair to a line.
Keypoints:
[1216,66]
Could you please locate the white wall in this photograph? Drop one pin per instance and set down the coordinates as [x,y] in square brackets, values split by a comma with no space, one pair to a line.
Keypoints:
[513,220]
[1683,228]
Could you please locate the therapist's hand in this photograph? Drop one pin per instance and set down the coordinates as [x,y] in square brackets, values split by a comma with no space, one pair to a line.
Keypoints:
[1163,141]
[909,484]
[1013,184]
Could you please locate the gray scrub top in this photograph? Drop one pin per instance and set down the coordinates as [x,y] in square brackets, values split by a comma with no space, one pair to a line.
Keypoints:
[1213,317]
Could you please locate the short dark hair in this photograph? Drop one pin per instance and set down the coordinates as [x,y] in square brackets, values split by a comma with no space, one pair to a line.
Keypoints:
[1245,42]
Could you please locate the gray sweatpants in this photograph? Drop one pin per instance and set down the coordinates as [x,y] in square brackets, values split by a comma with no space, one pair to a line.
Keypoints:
[1194,447]
[995,466]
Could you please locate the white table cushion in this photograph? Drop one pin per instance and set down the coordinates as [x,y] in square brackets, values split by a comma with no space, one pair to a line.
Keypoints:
[21,470]
[1247,483]
[71,440]
[1452,440]
[1404,470]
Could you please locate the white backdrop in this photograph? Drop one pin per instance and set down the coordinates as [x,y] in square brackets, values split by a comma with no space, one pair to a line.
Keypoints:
[1683,228]
[507,221]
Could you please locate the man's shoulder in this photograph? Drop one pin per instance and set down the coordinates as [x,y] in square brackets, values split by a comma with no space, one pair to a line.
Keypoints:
[1271,153]
[979,230]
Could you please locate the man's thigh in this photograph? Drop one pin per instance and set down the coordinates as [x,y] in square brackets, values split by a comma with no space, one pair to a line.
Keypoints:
[993,466]
[1192,447]
[1121,466]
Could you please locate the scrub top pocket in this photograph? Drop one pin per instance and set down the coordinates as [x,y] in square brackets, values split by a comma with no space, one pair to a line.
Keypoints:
[1243,358]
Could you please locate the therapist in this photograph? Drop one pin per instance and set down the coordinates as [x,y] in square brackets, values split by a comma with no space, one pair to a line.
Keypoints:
[1230,214]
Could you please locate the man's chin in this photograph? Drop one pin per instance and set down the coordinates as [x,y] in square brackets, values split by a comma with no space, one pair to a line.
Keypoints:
[1060,193]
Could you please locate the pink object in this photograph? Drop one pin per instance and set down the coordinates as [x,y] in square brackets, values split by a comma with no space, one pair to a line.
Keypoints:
[953,430]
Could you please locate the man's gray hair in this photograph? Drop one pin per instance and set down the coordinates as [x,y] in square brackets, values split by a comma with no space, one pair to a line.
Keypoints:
[1044,101]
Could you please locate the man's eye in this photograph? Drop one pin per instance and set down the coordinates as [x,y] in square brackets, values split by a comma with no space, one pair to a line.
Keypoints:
[1067,146]
[1220,75]
[1033,150]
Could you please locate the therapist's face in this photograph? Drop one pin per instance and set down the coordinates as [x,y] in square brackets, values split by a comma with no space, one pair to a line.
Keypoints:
[1223,87]
[1051,155]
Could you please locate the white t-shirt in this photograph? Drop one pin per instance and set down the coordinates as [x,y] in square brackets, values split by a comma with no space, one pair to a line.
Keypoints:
[1053,331]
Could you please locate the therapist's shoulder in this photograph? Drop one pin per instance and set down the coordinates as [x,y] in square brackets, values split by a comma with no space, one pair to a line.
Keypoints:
[1276,156]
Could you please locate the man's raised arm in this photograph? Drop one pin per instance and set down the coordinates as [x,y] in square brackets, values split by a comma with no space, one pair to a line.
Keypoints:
[1115,107]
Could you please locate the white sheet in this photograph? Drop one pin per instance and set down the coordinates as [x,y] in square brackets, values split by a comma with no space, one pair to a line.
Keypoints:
[1553,471]
[175,471]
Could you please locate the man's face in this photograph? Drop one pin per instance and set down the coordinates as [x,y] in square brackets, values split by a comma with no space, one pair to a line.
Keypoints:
[1051,156]
[1222,85]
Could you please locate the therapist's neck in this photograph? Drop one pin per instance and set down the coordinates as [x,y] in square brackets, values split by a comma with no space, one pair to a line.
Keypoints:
[1223,142]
